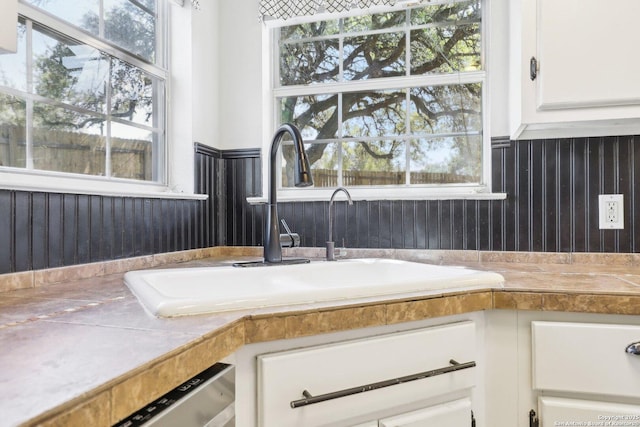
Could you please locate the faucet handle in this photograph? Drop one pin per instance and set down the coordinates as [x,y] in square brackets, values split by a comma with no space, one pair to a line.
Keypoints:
[290,239]
[286,226]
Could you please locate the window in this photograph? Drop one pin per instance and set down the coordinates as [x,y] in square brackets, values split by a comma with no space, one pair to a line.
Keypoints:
[85,93]
[388,99]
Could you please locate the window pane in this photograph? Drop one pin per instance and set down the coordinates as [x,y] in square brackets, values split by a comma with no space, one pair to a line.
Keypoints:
[66,141]
[315,116]
[132,152]
[133,94]
[446,160]
[324,159]
[310,62]
[374,113]
[374,56]
[374,163]
[13,66]
[447,13]
[449,39]
[83,14]
[446,109]
[12,131]
[376,21]
[310,30]
[131,27]
[69,71]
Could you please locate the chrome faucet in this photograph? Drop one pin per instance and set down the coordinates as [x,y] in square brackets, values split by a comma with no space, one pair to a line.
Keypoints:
[331,256]
[302,177]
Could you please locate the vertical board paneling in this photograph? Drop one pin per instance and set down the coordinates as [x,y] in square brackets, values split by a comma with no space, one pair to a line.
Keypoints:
[625,238]
[107,227]
[69,229]
[128,227]
[83,243]
[634,191]
[95,215]
[7,249]
[552,191]
[593,173]
[580,195]
[22,230]
[39,231]
[56,228]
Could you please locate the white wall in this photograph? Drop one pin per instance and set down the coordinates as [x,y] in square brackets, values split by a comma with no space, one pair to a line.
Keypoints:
[240,74]
[180,127]
[205,74]
[498,67]
[194,96]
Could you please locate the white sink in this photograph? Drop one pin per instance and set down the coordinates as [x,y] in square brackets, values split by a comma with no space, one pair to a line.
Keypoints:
[185,291]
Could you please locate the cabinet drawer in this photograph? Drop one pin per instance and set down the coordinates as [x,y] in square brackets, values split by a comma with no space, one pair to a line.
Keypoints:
[585,358]
[555,411]
[282,377]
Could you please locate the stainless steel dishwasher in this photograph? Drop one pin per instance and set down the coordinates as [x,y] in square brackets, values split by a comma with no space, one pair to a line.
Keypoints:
[206,400]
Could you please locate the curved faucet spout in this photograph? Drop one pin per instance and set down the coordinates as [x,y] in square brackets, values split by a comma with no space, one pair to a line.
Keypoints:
[302,177]
[330,244]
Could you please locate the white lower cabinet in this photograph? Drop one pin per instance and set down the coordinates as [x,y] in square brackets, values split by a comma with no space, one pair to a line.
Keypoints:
[583,374]
[414,378]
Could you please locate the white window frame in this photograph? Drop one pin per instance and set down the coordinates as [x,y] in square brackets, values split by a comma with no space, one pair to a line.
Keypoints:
[23,179]
[410,192]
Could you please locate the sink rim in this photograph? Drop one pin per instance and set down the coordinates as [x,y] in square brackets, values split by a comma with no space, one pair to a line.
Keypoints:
[147,285]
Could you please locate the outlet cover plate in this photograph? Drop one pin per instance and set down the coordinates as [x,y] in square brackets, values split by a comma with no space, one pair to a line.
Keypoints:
[611,209]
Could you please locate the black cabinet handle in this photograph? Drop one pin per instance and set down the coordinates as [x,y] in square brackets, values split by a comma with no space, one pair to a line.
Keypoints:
[533,68]
[310,399]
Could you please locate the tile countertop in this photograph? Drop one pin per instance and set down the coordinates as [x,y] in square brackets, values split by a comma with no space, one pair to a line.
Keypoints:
[78,349]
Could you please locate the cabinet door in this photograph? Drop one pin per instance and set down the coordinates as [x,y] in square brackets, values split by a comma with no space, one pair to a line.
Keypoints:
[585,358]
[585,53]
[586,82]
[556,411]
[456,413]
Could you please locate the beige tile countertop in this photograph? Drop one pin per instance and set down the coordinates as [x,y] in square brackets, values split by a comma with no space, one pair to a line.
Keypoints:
[77,349]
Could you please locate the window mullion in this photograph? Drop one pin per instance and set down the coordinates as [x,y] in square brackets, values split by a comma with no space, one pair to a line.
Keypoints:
[29,100]
[407,141]
[101,24]
[340,142]
[381,84]
[107,146]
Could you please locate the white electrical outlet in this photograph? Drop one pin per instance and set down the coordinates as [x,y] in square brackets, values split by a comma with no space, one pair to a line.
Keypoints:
[611,211]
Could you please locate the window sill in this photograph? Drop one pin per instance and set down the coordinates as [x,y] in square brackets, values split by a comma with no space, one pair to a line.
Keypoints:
[51,182]
[324,194]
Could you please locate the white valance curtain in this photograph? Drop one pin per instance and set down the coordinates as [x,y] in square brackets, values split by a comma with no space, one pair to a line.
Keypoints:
[283,9]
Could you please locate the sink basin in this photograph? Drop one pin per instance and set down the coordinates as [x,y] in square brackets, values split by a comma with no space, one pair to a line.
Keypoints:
[185,291]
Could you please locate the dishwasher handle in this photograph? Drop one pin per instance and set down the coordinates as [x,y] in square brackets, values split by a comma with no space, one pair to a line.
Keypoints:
[309,399]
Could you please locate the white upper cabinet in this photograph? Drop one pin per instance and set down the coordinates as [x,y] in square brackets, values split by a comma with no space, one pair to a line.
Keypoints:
[584,78]
[8,25]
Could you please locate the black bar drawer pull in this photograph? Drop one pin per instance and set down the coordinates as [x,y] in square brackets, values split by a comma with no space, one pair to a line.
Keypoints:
[309,399]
